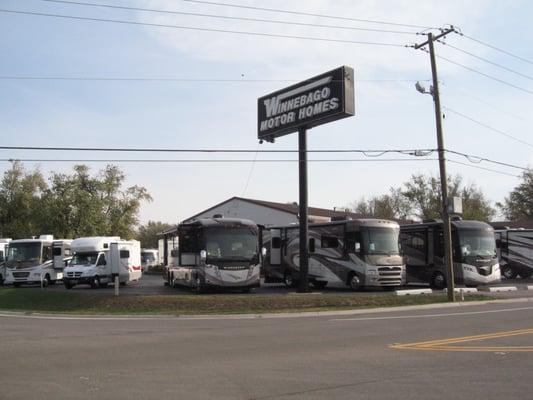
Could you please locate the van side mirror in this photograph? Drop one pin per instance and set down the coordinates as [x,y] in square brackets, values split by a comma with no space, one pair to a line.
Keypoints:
[311,245]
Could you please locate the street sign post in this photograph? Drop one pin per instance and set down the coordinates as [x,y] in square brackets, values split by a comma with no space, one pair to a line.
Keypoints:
[316,101]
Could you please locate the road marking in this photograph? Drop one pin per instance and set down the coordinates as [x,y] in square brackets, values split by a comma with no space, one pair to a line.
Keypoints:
[432,315]
[446,344]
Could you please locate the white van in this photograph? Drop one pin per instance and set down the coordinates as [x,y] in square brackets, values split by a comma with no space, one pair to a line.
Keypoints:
[36,261]
[149,259]
[97,260]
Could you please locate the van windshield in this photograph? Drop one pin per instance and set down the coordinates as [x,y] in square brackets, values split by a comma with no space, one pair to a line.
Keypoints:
[23,255]
[84,259]
[147,257]
[380,241]
[231,244]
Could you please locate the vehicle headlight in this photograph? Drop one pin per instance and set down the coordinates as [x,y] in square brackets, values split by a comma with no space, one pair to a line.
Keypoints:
[372,272]
[36,275]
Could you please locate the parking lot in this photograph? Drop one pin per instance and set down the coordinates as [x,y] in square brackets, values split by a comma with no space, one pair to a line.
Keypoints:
[151,285]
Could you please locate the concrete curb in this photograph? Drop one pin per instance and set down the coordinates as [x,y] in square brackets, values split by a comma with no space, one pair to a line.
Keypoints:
[14,314]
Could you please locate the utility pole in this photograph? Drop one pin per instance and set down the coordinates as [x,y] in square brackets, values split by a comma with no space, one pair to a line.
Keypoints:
[448,257]
[304,227]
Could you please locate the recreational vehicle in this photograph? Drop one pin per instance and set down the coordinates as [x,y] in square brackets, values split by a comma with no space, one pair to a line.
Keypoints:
[97,260]
[355,253]
[149,259]
[515,250]
[36,261]
[216,252]
[474,253]
[3,252]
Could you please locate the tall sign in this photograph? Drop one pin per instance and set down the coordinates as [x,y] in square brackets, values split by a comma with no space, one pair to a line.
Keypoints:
[316,101]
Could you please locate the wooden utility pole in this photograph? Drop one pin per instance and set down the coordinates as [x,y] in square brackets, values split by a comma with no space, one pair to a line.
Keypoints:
[448,255]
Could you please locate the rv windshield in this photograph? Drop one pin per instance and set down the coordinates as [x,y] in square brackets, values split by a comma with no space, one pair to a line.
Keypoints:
[84,259]
[23,255]
[477,243]
[380,241]
[231,244]
[147,257]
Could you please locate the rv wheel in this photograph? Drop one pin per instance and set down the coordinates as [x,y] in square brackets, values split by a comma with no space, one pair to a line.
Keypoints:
[438,281]
[96,283]
[508,272]
[289,280]
[46,280]
[354,282]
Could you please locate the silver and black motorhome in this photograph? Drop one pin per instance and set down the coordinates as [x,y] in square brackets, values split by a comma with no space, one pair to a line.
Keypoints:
[355,253]
[515,250]
[473,247]
[216,252]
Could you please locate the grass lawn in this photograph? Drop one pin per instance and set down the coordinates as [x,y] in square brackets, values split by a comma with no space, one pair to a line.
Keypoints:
[71,302]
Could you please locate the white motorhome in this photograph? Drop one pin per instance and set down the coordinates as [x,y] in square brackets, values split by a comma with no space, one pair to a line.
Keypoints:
[355,253]
[97,260]
[36,261]
[149,259]
[3,253]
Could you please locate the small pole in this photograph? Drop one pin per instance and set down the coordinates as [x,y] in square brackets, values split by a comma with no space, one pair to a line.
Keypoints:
[117,284]
[304,228]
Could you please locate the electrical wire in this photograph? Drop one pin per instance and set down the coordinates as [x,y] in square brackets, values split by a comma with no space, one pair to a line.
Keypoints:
[260,34]
[495,48]
[477,160]
[485,60]
[226,17]
[201,80]
[209,161]
[482,168]
[488,126]
[277,10]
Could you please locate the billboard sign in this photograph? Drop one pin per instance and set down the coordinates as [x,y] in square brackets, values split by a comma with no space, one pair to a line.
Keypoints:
[316,101]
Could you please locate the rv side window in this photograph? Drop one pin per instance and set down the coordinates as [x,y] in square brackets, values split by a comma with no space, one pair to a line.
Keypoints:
[124,254]
[57,251]
[329,242]
[47,253]
[276,243]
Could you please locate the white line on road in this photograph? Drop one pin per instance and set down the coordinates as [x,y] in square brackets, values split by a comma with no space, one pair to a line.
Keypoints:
[433,315]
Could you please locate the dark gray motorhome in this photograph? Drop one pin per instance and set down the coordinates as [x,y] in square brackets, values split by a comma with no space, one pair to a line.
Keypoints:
[355,253]
[474,253]
[515,249]
[216,252]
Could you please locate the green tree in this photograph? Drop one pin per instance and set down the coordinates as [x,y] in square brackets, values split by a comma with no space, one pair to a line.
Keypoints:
[519,204]
[20,202]
[147,234]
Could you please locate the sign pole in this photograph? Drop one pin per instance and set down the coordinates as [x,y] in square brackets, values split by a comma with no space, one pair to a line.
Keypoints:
[304,228]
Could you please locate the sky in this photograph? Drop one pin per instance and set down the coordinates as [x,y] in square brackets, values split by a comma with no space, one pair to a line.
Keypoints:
[202,88]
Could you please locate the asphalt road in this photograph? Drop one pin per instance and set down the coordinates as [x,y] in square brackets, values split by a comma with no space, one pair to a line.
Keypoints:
[335,357]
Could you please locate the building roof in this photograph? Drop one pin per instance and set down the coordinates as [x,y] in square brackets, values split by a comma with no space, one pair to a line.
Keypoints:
[525,223]
[290,208]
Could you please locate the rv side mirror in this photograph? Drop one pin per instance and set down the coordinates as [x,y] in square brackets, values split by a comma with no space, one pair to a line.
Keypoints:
[203,255]
[357,247]
[311,245]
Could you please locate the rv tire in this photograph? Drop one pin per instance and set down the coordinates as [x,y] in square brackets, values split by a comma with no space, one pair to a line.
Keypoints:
[46,280]
[438,281]
[354,282]
[508,272]
[95,283]
[289,280]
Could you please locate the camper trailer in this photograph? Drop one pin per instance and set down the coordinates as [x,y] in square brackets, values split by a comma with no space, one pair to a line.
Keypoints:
[216,252]
[474,253]
[3,252]
[149,259]
[36,261]
[515,251]
[355,253]
[98,260]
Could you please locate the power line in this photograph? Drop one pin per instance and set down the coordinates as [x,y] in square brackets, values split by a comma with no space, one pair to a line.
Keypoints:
[226,17]
[209,161]
[477,159]
[272,35]
[483,168]
[489,127]
[495,48]
[486,60]
[485,75]
[156,79]
[277,10]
